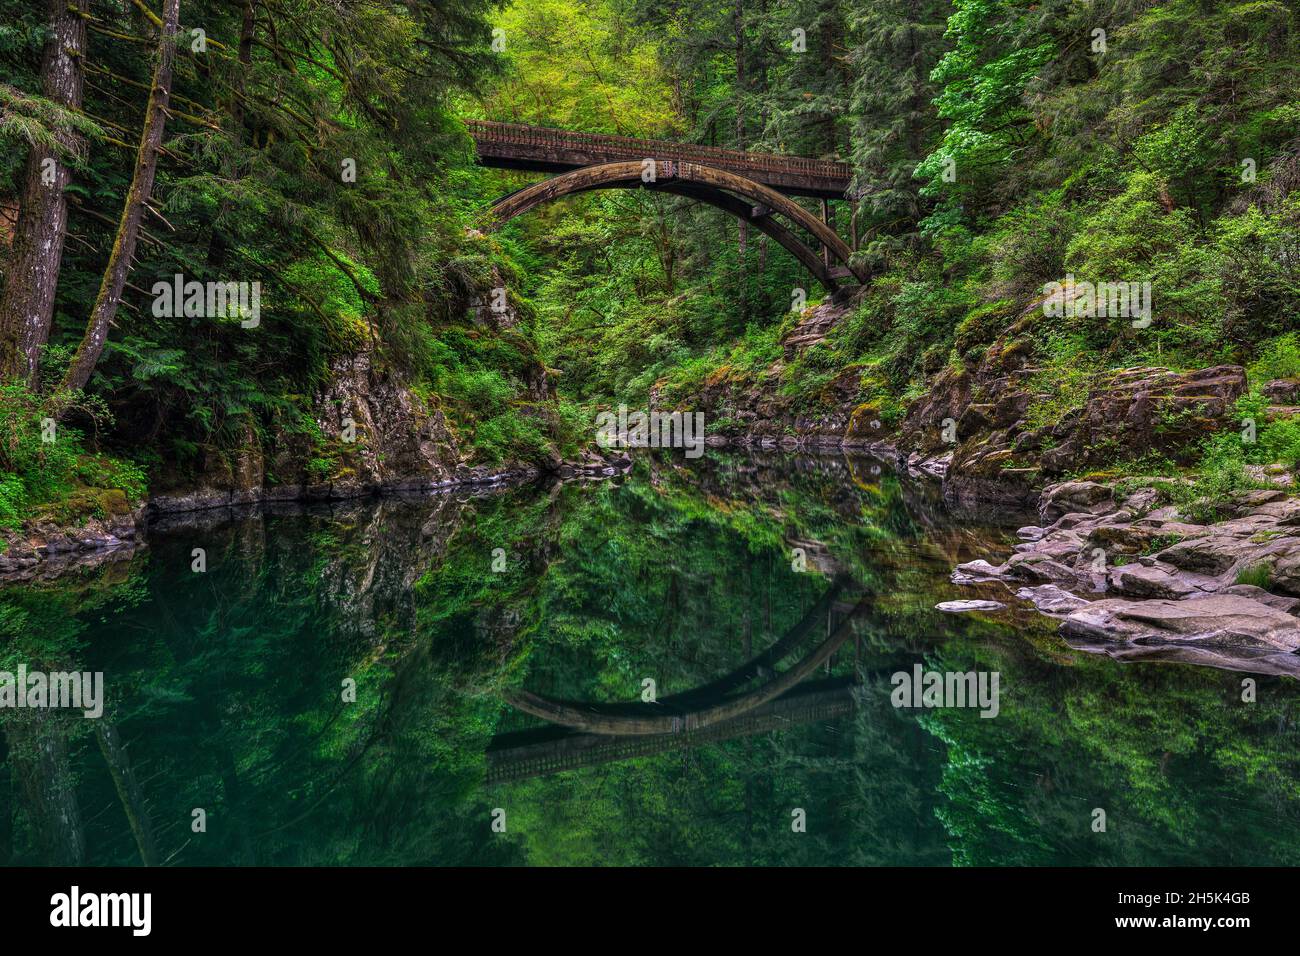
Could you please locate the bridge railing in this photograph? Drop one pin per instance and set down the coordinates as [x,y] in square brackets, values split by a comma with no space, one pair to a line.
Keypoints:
[489,131]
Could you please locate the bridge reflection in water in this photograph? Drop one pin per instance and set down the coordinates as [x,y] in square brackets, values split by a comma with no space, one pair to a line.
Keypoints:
[752,699]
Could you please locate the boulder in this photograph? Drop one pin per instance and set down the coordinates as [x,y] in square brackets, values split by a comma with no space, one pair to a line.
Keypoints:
[1221,621]
[1050,599]
[1136,580]
[1282,391]
[1075,497]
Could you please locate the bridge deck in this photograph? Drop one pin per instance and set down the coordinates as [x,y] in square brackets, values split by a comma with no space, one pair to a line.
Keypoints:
[537,148]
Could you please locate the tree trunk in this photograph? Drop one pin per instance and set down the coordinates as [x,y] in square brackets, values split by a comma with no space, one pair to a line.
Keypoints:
[128,791]
[38,747]
[27,305]
[128,230]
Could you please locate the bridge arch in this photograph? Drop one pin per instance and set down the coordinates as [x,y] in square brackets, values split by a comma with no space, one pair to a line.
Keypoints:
[717,187]
[687,713]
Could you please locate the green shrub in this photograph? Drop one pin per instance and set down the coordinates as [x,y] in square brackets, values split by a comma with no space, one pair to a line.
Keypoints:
[13,498]
[100,471]
[1279,441]
[510,436]
[55,478]
[45,467]
[1067,375]
[1278,358]
[1220,476]
[322,468]
[1258,575]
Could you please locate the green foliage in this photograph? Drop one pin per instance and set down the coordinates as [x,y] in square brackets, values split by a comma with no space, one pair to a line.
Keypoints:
[1178,152]
[1115,165]
[575,64]
[1063,383]
[1278,358]
[1257,575]
[37,121]
[510,435]
[897,46]
[44,469]
[43,466]
[101,471]
[13,500]
[1219,477]
[981,81]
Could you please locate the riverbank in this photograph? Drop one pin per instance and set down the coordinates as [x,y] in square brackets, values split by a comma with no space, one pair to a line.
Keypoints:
[1127,574]
[1168,519]
[1128,571]
[1121,564]
[46,549]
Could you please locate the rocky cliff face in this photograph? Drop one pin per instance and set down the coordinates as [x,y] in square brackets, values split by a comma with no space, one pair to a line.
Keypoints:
[984,428]
[380,434]
[981,426]
[1128,414]
[400,441]
[373,432]
[399,444]
[761,416]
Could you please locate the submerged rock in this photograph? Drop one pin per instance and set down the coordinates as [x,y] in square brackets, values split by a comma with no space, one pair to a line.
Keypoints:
[958,607]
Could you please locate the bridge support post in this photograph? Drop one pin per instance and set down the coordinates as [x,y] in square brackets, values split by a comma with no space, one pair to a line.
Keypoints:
[828,217]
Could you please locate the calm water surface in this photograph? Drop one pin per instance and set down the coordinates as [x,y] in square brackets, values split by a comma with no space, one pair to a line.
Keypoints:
[501,646]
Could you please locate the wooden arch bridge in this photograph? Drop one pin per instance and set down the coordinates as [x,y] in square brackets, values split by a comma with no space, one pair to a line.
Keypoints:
[754,187]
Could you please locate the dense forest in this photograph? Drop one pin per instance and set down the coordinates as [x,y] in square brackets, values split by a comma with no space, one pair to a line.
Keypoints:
[316,151]
[361,324]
